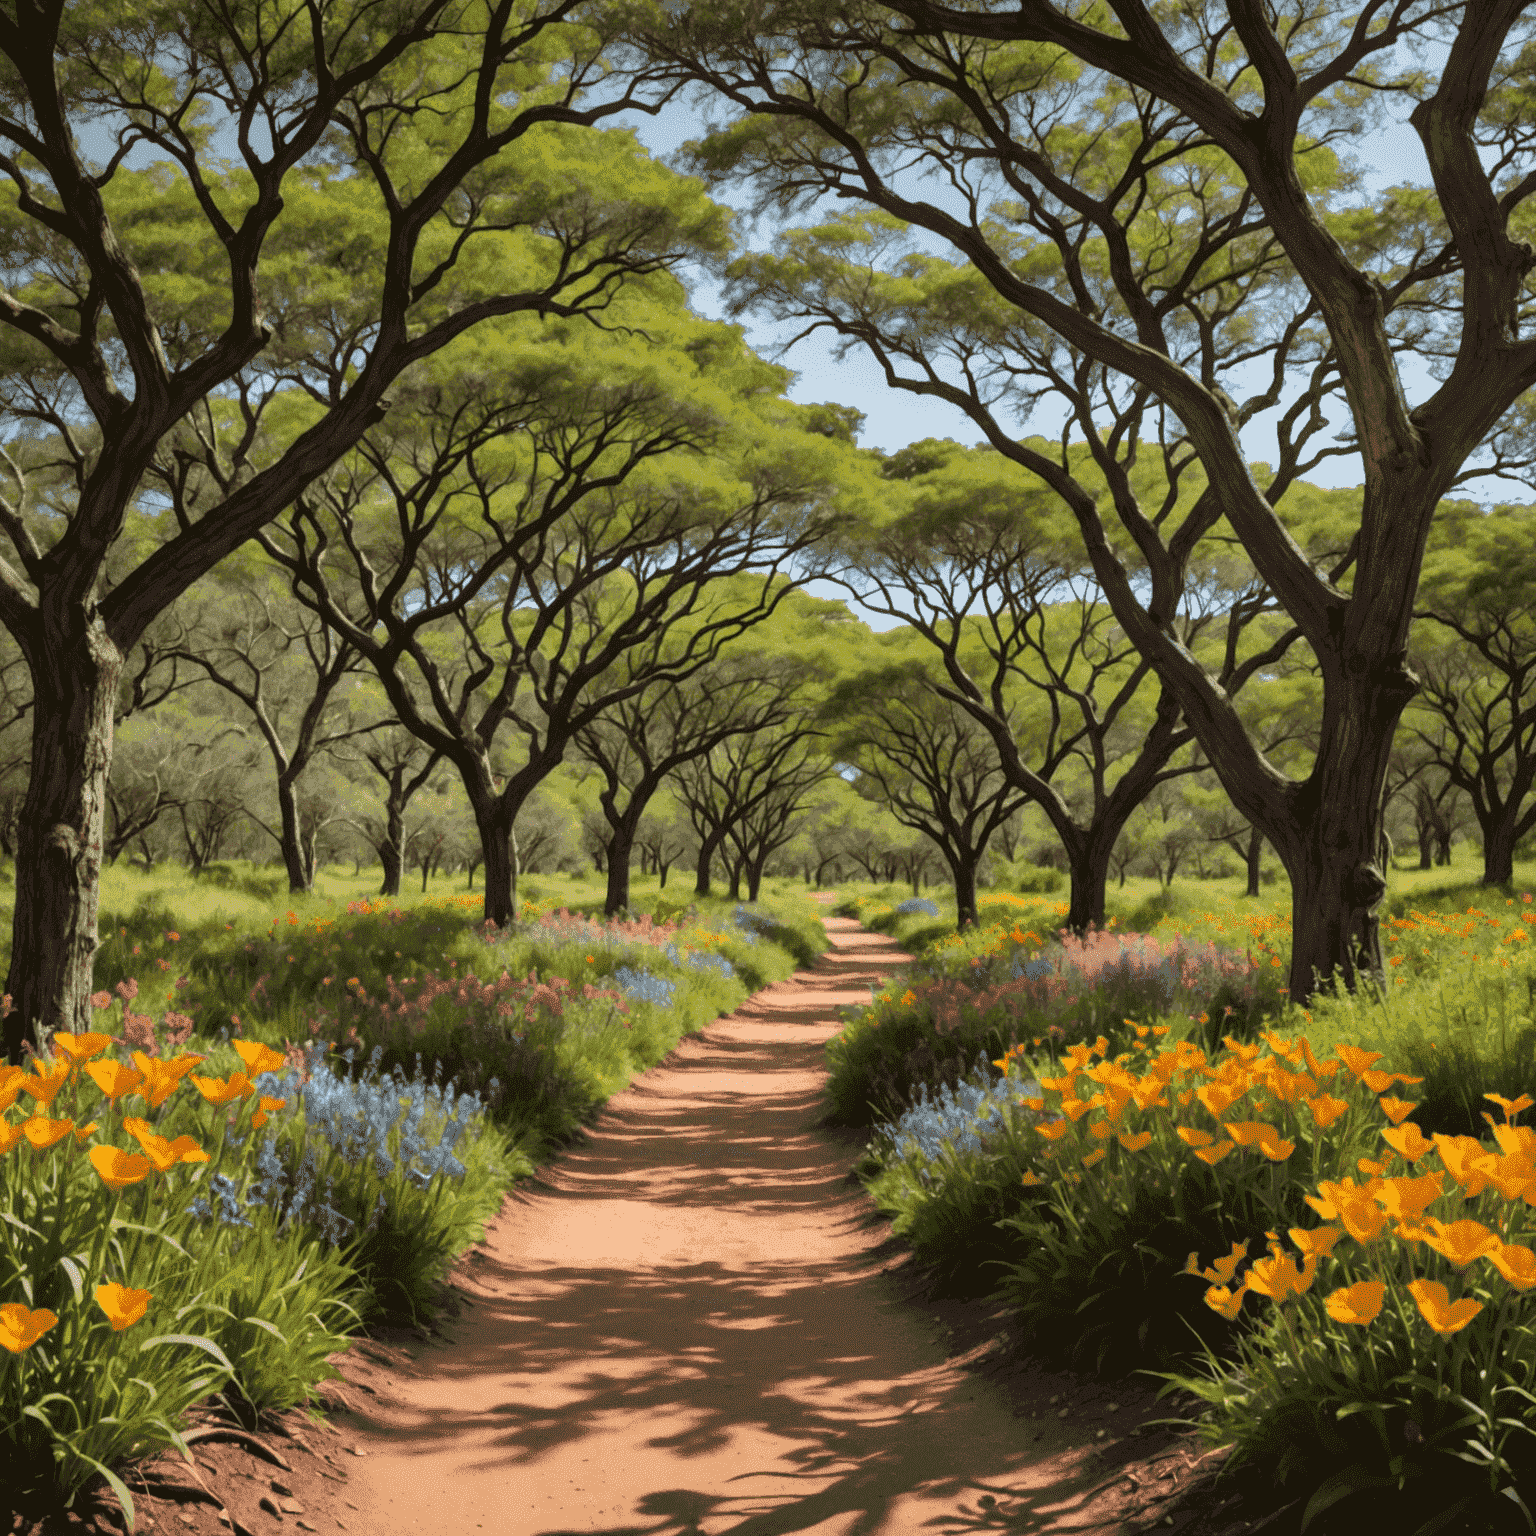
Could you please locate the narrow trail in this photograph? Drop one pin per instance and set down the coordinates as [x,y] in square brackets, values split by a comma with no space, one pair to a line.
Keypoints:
[694,1321]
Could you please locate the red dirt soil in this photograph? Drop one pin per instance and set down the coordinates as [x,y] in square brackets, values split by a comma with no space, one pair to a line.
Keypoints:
[693,1323]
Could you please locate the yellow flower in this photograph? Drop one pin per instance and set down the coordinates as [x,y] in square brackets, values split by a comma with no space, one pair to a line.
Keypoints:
[1408,1199]
[1135,1142]
[123,1305]
[1219,1097]
[11,1079]
[119,1169]
[1075,1108]
[114,1078]
[1316,1240]
[80,1047]
[1031,1179]
[1408,1141]
[1326,1109]
[1266,1137]
[1516,1263]
[224,1090]
[1511,1107]
[264,1108]
[1363,1219]
[1096,1156]
[44,1086]
[1396,1110]
[1379,1082]
[1227,1303]
[1192,1136]
[1214,1155]
[10,1135]
[1278,1278]
[82,1131]
[21,1328]
[161,1077]
[1439,1311]
[1053,1130]
[1373,1167]
[1462,1241]
[259,1058]
[1355,1059]
[43,1132]
[1358,1303]
[1035,1104]
[162,1153]
[1219,1271]
[1462,1157]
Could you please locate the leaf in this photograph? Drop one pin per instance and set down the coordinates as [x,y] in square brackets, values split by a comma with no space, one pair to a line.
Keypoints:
[197,1342]
[1353,1479]
[76,1279]
[20,1225]
[261,1322]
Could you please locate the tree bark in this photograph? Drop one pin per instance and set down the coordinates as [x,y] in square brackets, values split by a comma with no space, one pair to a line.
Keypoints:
[300,870]
[1088,869]
[620,849]
[1254,856]
[1499,852]
[59,838]
[706,859]
[963,872]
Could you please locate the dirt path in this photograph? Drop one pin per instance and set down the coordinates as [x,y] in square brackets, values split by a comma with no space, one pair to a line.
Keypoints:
[695,1322]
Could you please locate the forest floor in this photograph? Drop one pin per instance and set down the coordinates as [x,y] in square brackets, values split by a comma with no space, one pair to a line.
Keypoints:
[693,1322]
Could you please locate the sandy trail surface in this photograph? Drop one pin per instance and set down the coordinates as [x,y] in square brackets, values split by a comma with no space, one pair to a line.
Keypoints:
[694,1321]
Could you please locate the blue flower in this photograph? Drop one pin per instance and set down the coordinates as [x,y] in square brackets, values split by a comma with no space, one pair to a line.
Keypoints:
[643,987]
[918,906]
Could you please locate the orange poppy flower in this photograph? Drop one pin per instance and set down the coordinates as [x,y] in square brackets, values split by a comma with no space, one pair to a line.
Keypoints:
[123,1305]
[21,1328]
[118,1169]
[43,1132]
[1358,1303]
[1439,1311]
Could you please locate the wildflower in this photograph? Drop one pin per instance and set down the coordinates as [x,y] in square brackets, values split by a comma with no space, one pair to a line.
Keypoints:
[123,1305]
[45,1086]
[1278,1278]
[1030,1179]
[43,1132]
[1135,1142]
[1462,1241]
[114,1078]
[1511,1107]
[1191,1136]
[1326,1109]
[1219,1271]
[118,1169]
[264,1108]
[21,1328]
[101,999]
[1516,1263]
[10,1135]
[259,1058]
[224,1090]
[1227,1302]
[1439,1311]
[1358,1303]
[1214,1155]
[1408,1141]
[1408,1199]
[161,1077]
[1355,1059]
[1396,1110]
[162,1153]
[80,1048]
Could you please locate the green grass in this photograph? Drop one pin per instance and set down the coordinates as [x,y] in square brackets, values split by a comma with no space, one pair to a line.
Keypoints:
[423,1066]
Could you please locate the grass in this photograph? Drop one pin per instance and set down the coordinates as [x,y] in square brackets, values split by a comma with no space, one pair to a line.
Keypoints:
[1117,1180]
[292,1115]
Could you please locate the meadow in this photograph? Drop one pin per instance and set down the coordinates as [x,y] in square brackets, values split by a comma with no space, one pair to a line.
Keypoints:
[290,1115]
[1318,1221]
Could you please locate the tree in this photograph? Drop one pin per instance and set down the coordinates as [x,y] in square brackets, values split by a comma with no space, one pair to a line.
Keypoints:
[333,197]
[644,738]
[1155,243]
[929,762]
[251,640]
[404,764]
[1475,648]
[524,545]
[980,566]
[745,798]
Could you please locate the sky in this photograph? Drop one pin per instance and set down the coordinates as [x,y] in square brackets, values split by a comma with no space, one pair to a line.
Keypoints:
[893,418]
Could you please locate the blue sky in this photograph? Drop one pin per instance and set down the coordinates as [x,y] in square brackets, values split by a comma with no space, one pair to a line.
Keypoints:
[1392,156]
